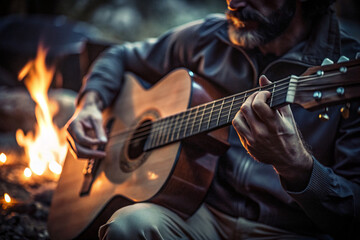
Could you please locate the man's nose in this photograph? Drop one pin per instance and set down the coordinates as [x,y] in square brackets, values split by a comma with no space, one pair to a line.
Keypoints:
[235,4]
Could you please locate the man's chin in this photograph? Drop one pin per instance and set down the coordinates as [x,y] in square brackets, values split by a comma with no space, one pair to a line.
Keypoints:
[245,38]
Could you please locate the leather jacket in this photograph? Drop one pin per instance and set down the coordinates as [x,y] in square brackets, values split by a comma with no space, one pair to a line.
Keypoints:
[330,204]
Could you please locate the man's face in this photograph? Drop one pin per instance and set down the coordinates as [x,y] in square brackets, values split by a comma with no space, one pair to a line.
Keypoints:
[256,22]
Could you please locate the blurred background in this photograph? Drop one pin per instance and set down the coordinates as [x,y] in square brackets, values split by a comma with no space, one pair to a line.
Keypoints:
[129,20]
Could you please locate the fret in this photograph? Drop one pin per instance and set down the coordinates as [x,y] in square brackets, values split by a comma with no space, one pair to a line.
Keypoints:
[188,118]
[206,117]
[162,131]
[211,111]
[220,111]
[153,135]
[230,109]
[179,133]
[169,127]
[158,135]
[224,116]
[173,130]
[194,120]
[216,114]
[238,101]
[272,95]
[201,117]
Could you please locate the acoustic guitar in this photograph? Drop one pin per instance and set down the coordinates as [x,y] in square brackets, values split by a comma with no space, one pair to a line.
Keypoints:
[164,143]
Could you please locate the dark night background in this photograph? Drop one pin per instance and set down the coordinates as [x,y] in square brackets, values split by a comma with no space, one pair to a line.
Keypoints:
[120,20]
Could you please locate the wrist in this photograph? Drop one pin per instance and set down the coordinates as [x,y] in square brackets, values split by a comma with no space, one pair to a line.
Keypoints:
[297,176]
[91,99]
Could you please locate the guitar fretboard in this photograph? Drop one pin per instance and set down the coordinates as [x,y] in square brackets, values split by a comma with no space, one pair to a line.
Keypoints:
[210,116]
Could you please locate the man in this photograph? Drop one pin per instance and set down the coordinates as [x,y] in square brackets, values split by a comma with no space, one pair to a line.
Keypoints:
[280,181]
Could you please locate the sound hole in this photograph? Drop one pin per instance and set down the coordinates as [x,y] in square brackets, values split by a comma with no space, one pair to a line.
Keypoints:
[138,140]
[132,156]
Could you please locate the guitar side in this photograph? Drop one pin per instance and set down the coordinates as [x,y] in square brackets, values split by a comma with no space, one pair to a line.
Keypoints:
[174,175]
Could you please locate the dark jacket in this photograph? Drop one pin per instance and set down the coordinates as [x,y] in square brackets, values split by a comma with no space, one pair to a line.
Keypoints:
[330,204]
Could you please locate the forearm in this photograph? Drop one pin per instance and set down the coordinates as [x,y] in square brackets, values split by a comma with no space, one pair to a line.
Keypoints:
[105,76]
[297,177]
[91,98]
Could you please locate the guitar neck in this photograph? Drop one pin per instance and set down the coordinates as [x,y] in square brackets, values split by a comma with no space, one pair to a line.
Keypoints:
[212,115]
[318,87]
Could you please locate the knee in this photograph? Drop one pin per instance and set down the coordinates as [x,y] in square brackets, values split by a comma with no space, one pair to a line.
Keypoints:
[135,221]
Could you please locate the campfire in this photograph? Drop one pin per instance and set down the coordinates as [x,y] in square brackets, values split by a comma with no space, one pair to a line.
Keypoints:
[29,179]
[46,148]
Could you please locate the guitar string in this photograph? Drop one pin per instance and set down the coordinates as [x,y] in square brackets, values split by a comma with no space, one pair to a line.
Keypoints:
[140,135]
[145,131]
[168,126]
[170,123]
[246,93]
[195,124]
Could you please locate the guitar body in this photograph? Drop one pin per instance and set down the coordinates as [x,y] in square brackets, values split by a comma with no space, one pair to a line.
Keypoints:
[163,149]
[175,175]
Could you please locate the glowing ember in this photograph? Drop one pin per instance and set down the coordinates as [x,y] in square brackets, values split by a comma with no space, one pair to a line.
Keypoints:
[3,157]
[7,198]
[47,147]
[27,172]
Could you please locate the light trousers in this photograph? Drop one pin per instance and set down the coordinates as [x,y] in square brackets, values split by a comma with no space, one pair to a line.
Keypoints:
[151,221]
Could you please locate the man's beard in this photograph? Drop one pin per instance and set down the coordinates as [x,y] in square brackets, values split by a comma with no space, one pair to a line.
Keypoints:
[266,29]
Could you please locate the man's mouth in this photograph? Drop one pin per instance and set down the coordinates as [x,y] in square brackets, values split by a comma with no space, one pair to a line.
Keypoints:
[238,23]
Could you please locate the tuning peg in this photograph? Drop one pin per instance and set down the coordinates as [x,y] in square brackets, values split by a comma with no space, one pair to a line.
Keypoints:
[357,56]
[343,59]
[326,61]
[324,116]
[317,95]
[340,91]
[345,111]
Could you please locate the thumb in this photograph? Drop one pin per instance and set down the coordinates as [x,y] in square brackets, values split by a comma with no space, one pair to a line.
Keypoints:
[263,81]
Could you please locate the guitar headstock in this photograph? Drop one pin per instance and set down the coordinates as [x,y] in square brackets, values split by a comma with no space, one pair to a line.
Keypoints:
[327,85]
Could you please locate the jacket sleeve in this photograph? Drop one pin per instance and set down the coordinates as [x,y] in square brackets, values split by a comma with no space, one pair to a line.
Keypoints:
[150,60]
[332,197]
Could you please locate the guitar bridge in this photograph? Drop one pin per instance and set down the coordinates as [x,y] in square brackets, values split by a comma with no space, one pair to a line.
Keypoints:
[92,165]
[89,175]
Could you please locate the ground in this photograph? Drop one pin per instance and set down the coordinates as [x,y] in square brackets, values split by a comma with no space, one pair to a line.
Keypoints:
[26,216]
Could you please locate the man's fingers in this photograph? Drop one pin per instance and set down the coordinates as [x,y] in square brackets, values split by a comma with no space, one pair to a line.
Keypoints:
[79,133]
[83,146]
[99,130]
[242,128]
[85,152]
[247,112]
[263,81]
[261,108]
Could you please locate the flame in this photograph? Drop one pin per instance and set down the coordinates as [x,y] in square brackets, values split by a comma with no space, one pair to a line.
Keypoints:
[3,157]
[47,147]
[7,198]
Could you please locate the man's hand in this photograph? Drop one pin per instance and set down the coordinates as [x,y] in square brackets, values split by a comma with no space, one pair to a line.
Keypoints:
[271,136]
[85,129]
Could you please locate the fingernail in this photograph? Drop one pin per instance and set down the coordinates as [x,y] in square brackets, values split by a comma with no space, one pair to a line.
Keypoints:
[103,139]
